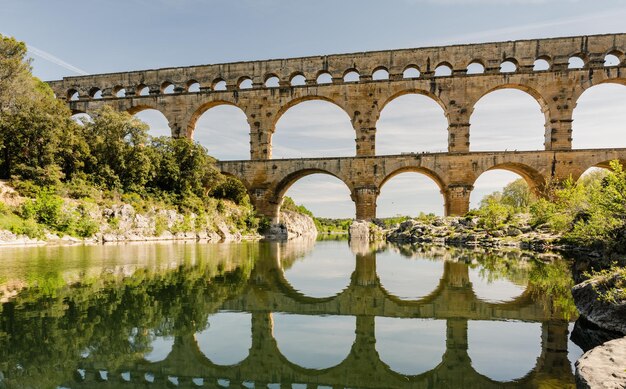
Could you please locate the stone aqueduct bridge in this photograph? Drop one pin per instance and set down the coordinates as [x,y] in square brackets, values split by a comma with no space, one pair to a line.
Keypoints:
[556,89]
[365,298]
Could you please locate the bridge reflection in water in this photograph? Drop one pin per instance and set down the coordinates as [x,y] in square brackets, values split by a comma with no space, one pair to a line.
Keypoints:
[268,294]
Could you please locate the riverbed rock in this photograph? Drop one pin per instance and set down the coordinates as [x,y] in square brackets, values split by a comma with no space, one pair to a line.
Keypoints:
[360,230]
[605,314]
[603,366]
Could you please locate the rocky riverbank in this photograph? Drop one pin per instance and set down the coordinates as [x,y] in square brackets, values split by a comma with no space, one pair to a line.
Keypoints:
[123,223]
[460,231]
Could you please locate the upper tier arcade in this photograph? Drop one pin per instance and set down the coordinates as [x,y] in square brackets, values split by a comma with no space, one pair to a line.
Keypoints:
[554,71]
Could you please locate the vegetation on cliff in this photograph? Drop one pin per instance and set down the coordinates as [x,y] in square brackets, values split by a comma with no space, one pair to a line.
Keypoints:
[588,213]
[66,169]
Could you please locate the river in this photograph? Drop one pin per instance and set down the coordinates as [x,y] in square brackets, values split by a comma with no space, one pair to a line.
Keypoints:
[300,314]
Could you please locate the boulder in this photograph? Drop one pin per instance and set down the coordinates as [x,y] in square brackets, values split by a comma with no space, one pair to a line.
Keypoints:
[360,230]
[603,366]
[608,315]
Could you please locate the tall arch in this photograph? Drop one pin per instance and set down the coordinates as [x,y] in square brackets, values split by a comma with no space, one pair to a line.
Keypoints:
[312,126]
[222,127]
[599,119]
[411,121]
[509,117]
[158,123]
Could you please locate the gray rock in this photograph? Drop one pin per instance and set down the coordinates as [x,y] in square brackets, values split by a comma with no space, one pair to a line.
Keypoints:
[603,366]
[360,230]
[610,316]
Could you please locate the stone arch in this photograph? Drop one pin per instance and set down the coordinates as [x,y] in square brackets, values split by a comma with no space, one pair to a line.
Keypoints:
[143,90]
[619,55]
[233,118]
[414,169]
[271,80]
[444,69]
[192,86]
[291,103]
[542,63]
[297,78]
[146,110]
[283,185]
[476,66]
[580,109]
[577,60]
[509,65]
[535,180]
[411,71]
[536,95]
[380,73]
[193,119]
[424,92]
[351,75]
[413,138]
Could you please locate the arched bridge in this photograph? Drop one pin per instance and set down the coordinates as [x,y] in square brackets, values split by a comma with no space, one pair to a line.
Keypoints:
[247,85]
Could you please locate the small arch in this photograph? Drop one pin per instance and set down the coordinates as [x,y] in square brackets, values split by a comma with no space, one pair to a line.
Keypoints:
[475,67]
[411,71]
[508,66]
[72,95]
[351,75]
[576,62]
[193,86]
[244,83]
[272,81]
[380,73]
[81,118]
[167,88]
[143,90]
[95,93]
[612,59]
[541,64]
[218,85]
[444,69]
[324,78]
[297,79]
[119,91]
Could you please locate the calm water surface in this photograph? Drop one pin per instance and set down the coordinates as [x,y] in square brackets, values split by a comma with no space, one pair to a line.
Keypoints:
[302,314]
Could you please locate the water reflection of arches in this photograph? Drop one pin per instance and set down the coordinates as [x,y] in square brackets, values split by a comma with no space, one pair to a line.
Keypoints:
[268,291]
[265,363]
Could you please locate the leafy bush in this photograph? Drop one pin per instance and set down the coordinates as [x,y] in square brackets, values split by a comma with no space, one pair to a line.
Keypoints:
[231,189]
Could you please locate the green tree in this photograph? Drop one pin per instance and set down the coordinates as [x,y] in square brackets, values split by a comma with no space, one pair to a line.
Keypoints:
[119,158]
[182,166]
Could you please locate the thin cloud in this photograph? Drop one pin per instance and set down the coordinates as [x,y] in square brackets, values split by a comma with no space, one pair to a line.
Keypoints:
[55,60]
[498,33]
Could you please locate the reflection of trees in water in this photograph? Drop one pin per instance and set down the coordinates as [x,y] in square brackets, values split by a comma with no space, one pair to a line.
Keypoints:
[112,321]
[549,282]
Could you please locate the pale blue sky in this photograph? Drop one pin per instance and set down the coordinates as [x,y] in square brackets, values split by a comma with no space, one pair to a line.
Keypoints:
[75,37]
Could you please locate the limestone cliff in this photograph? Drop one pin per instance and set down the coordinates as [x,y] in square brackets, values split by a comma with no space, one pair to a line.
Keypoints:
[292,225]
